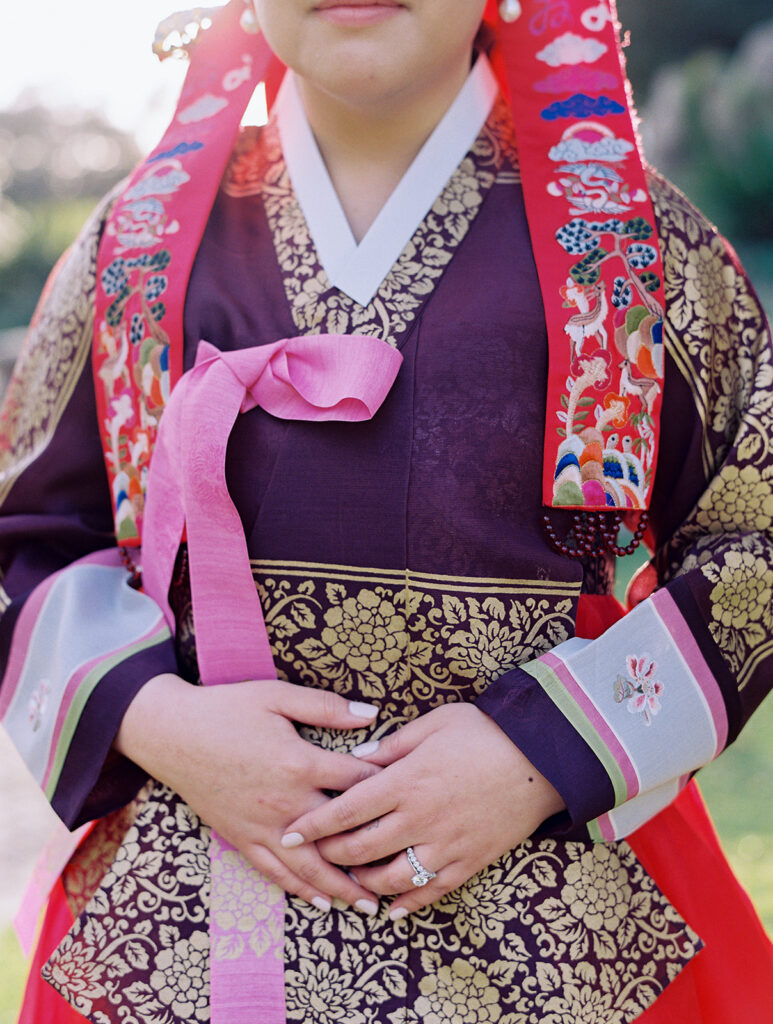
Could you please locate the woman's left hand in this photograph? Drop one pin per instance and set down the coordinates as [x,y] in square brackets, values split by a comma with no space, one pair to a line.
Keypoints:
[454,787]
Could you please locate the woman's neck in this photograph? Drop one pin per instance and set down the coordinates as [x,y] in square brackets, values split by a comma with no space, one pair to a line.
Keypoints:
[367,151]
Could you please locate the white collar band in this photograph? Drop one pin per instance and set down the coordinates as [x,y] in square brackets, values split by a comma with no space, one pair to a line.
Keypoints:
[358,270]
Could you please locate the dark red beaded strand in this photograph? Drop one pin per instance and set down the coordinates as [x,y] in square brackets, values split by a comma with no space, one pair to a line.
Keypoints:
[593,534]
[130,565]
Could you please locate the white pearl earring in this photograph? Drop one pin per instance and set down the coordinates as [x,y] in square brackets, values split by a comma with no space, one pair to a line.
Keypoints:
[510,10]
[249,20]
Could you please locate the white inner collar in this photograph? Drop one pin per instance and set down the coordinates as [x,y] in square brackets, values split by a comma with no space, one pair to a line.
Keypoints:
[358,270]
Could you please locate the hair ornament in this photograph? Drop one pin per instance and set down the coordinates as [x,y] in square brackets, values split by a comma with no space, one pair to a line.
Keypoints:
[176,35]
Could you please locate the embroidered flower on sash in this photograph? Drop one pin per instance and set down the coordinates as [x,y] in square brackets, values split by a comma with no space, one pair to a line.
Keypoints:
[37,704]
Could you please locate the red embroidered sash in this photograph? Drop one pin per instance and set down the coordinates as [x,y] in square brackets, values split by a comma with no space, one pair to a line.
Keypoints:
[592,228]
[148,250]
[593,233]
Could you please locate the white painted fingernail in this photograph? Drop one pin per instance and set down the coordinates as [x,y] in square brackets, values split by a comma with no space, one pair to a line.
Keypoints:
[360,710]
[398,914]
[321,904]
[365,749]
[292,839]
[367,907]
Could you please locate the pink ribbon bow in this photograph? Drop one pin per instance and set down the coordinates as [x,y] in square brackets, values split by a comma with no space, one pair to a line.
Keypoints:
[318,377]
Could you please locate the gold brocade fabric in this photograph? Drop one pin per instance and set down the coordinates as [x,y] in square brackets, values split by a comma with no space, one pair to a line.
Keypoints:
[552,931]
[556,932]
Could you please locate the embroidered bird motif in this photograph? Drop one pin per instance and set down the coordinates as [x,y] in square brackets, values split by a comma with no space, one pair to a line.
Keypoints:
[590,321]
[641,387]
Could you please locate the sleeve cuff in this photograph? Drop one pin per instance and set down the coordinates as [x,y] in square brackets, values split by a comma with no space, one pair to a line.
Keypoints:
[94,780]
[522,709]
[634,714]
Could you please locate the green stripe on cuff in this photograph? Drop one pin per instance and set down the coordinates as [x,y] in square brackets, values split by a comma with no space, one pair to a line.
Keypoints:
[85,690]
[571,710]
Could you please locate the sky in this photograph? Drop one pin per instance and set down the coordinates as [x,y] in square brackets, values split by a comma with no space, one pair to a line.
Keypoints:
[91,53]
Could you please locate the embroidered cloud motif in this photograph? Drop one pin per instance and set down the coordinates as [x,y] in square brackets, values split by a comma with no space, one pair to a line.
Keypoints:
[577,79]
[609,150]
[202,109]
[581,105]
[572,49]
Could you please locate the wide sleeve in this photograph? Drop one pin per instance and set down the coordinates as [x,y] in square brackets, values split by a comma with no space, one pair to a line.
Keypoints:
[77,640]
[620,723]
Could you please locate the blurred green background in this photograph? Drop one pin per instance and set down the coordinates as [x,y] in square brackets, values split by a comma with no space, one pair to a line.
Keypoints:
[703,78]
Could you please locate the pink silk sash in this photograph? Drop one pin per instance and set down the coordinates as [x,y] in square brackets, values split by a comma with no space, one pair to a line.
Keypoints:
[322,377]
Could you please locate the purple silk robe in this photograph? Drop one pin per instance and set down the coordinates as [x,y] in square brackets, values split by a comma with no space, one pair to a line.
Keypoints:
[402,561]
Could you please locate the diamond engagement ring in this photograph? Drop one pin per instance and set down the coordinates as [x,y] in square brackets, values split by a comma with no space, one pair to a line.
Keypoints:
[422,876]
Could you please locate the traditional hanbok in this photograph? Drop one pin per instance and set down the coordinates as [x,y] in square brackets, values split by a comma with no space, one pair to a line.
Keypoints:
[400,558]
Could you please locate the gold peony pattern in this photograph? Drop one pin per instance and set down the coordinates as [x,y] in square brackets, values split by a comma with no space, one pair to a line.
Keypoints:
[258,168]
[92,859]
[413,640]
[139,953]
[242,910]
[551,928]
[715,331]
[717,334]
[521,943]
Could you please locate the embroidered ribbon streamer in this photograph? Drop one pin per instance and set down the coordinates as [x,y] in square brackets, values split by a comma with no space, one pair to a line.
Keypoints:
[148,248]
[319,378]
[592,227]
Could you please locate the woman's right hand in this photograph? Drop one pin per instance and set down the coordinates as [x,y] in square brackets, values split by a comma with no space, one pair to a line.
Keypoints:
[233,754]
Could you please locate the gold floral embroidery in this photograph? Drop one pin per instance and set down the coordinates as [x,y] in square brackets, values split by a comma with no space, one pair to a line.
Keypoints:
[242,910]
[717,334]
[715,331]
[258,168]
[91,861]
[738,499]
[740,568]
[181,978]
[507,946]
[744,589]
[458,991]
[139,953]
[408,639]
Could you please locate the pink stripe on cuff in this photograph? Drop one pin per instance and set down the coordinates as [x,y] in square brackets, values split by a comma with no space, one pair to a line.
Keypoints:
[74,683]
[596,719]
[687,646]
[28,617]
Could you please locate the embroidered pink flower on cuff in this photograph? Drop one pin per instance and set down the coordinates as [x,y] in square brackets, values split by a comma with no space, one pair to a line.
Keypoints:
[37,704]
[641,690]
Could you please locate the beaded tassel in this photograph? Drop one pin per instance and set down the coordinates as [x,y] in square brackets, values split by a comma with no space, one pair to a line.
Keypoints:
[595,534]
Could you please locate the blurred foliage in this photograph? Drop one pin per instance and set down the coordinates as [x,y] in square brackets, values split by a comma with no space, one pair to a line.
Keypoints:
[663,31]
[62,154]
[47,227]
[708,125]
[54,166]
[12,976]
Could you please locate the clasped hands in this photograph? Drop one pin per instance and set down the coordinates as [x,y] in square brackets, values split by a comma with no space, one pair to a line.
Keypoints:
[450,784]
